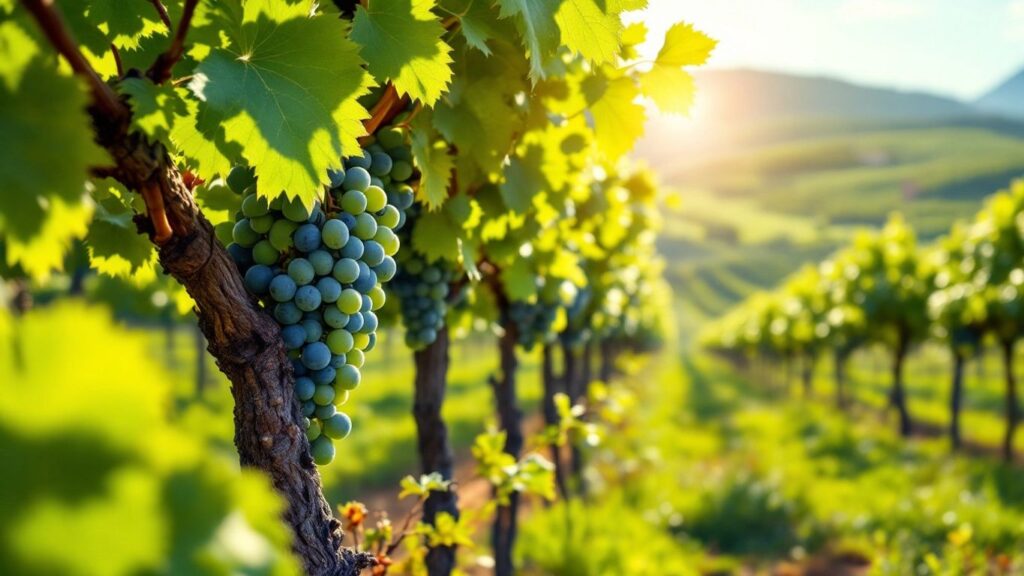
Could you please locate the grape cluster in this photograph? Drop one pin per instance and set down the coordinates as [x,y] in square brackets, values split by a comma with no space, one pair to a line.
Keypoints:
[533,322]
[422,290]
[321,272]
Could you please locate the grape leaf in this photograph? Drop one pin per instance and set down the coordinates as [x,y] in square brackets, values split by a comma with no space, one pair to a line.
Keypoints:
[42,253]
[618,119]
[524,179]
[115,246]
[519,280]
[685,46]
[285,90]
[127,22]
[670,87]
[479,112]
[154,108]
[436,236]
[535,20]
[435,164]
[589,30]
[476,21]
[202,141]
[42,183]
[666,83]
[401,41]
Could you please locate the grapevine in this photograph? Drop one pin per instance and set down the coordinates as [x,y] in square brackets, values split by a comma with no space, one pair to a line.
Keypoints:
[320,272]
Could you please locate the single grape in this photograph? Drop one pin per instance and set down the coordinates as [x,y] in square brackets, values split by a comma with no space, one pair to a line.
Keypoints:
[401,171]
[386,270]
[253,206]
[262,224]
[316,356]
[346,270]
[377,297]
[335,234]
[360,161]
[281,234]
[356,357]
[356,179]
[388,218]
[369,322]
[366,226]
[330,289]
[337,177]
[313,430]
[294,336]
[340,341]
[324,395]
[307,298]
[282,288]
[360,340]
[341,397]
[257,279]
[390,138]
[348,377]
[338,426]
[307,238]
[301,271]
[240,178]
[243,234]
[376,199]
[355,323]
[350,301]
[334,317]
[309,408]
[287,313]
[354,202]
[388,240]
[314,329]
[295,210]
[322,451]
[353,249]
[373,253]
[304,388]
[325,412]
[365,282]
[324,376]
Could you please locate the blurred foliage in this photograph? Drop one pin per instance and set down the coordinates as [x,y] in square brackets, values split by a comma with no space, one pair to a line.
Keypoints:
[96,480]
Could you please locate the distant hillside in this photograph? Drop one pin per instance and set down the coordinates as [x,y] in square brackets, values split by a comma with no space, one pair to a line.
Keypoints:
[1007,98]
[769,96]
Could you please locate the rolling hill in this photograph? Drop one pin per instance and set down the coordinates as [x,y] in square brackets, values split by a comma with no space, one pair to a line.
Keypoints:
[1007,98]
[780,170]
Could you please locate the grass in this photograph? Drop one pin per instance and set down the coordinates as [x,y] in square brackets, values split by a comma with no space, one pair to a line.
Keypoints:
[744,480]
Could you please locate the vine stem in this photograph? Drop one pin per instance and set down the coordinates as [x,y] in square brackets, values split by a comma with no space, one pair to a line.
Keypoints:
[382,109]
[162,11]
[162,68]
[50,20]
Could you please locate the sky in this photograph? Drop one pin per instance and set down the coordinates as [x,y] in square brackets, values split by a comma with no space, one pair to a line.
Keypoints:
[959,48]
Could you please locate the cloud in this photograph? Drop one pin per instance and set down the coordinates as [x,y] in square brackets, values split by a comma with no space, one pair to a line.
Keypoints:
[880,9]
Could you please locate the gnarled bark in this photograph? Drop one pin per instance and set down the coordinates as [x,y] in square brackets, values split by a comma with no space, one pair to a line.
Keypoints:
[247,345]
[898,396]
[503,534]
[435,450]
